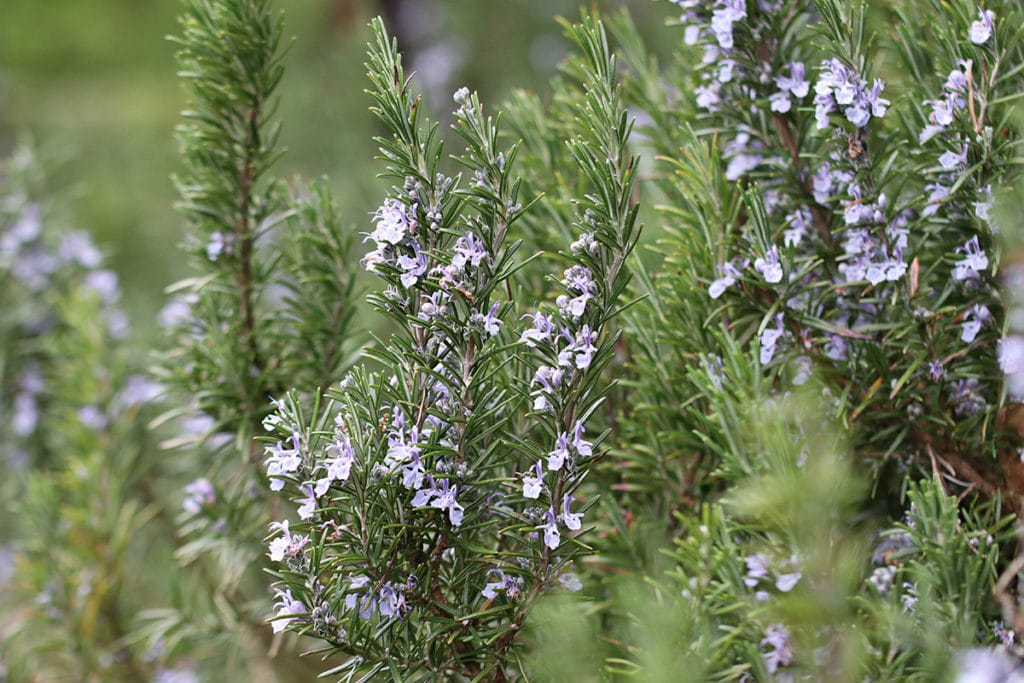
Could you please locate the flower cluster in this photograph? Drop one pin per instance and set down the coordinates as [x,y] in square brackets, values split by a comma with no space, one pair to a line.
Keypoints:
[841,90]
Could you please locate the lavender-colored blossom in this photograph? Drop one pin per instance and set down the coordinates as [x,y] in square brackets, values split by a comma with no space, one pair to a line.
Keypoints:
[283,461]
[307,507]
[198,494]
[552,537]
[393,223]
[799,224]
[549,380]
[77,246]
[583,347]
[776,637]
[840,89]
[92,417]
[176,312]
[570,581]
[983,207]
[1011,362]
[769,339]
[287,544]
[286,609]
[424,495]
[490,591]
[733,270]
[744,154]
[966,398]
[413,267]
[981,30]
[337,468]
[509,585]
[558,456]
[104,283]
[973,320]
[490,323]
[216,246]
[769,266]
[177,675]
[24,230]
[709,96]
[582,447]
[757,569]
[725,14]
[973,263]
[951,159]
[987,665]
[572,520]
[533,481]
[542,329]
[445,500]
[835,347]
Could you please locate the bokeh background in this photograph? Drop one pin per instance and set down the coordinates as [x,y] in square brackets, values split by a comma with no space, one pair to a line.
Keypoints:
[93,83]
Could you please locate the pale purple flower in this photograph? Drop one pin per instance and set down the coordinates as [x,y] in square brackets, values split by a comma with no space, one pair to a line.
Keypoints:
[966,398]
[77,247]
[1011,361]
[725,14]
[337,468]
[104,283]
[708,96]
[198,494]
[181,674]
[92,417]
[216,246]
[283,461]
[490,323]
[424,495]
[952,159]
[412,267]
[26,229]
[390,602]
[732,270]
[413,473]
[973,320]
[769,338]
[557,457]
[583,447]
[542,329]
[393,223]
[174,313]
[583,347]
[533,481]
[839,88]
[572,520]
[769,266]
[552,537]
[490,591]
[510,585]
[570,581]
[937,193]
[776,637]
[973,263]
[287,543]
[983,207]
[287,607]
[795,83]
[307,505]
[800,222]
[445,500]
[981,30]
[757,569]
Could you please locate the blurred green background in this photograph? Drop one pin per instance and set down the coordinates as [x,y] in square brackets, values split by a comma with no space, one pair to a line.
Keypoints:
[93,83]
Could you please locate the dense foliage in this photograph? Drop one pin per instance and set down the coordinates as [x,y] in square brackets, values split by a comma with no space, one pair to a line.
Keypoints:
[779,440]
